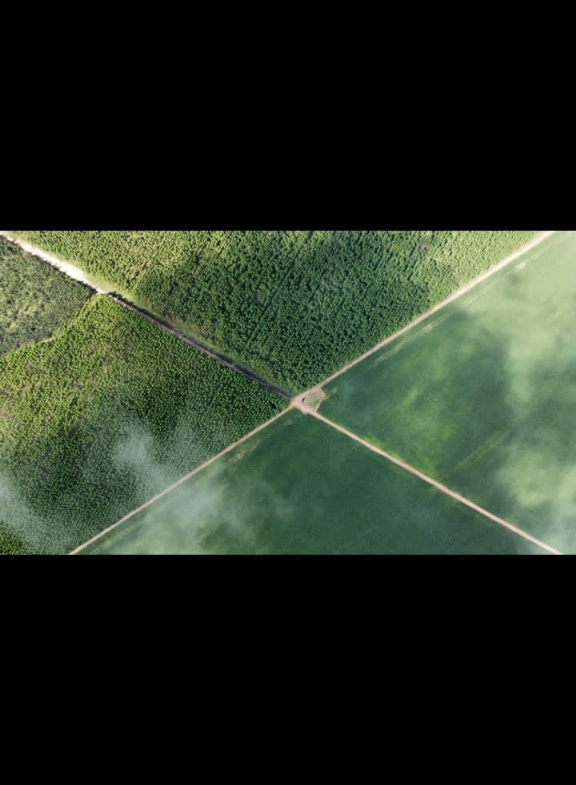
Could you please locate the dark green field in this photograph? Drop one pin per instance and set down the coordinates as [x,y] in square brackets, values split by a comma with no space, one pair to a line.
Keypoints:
[102,416]
[300,487]
[292,306]
[484,400]
[34,299]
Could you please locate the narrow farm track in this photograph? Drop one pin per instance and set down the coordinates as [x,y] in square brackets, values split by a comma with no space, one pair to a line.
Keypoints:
[297,403]
[59,264]
[79,275]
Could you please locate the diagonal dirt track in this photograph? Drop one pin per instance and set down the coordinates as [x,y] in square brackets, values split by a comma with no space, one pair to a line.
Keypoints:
[298,404]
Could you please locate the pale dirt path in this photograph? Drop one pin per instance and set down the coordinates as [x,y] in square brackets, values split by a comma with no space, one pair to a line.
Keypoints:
[297,404]
[181,480]
[65,267]
[454,296]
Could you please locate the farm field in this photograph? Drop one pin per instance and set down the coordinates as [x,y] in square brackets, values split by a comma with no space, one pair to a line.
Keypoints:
[300,487]
[291,306]
[481,396]
[34,301]
[103,415]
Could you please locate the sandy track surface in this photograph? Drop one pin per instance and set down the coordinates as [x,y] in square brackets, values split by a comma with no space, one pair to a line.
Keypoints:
[65,267]
[403,465]
[302,401]
[79,275]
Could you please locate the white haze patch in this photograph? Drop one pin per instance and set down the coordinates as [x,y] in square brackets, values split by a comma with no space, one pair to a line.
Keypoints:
[135,452]
[208,515]
[16,514]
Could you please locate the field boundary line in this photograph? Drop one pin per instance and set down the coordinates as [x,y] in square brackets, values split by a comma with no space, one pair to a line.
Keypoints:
[438,485]
[181,480]
[454,296]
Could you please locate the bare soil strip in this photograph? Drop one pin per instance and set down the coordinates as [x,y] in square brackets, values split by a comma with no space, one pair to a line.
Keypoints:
[306,410]
[180,481]
[454,296]
[65,267]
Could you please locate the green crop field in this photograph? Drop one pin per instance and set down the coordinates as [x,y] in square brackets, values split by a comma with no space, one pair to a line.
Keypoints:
[300,487]
[34,299]
[481,395]
[292,306]
[103,415]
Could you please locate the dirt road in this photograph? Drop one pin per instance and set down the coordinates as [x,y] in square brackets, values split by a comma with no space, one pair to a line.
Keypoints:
[65,267]
[297,403]
[200,347]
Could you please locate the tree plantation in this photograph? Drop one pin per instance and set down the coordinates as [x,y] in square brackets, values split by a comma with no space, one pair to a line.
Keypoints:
[104,415]
[293,306]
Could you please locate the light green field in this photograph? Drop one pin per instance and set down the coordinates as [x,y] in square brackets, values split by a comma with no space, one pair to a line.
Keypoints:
[300,487]
[482,395]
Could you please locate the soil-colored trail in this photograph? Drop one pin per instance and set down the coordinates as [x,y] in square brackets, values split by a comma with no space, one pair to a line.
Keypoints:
[298,404]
